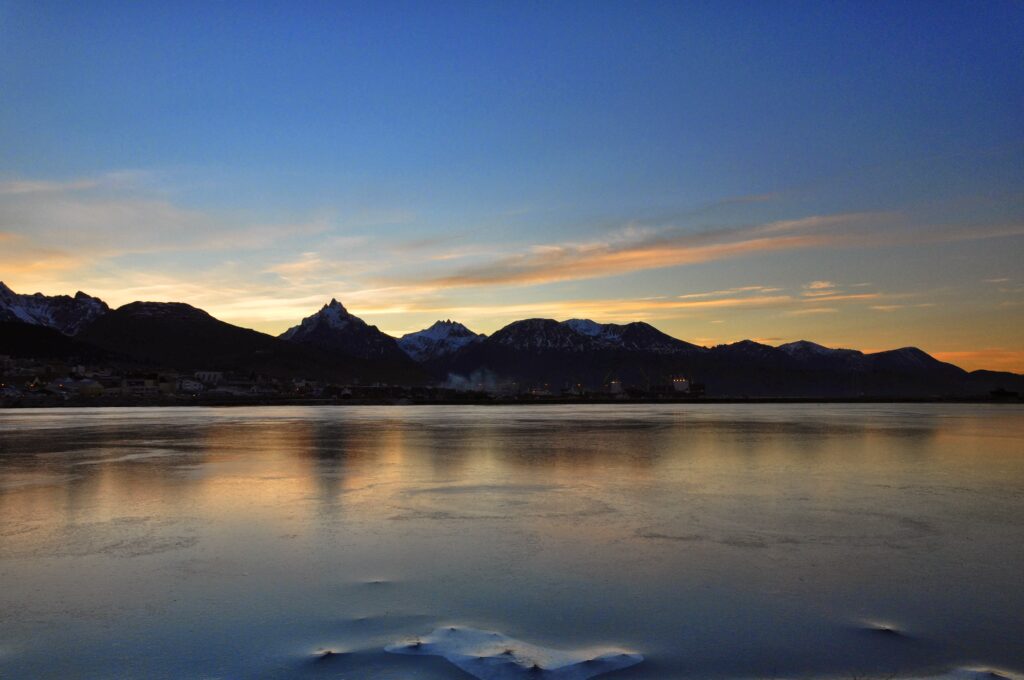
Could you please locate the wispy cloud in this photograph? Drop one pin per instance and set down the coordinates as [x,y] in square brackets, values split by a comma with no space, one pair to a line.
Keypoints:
[898,307]
[604,310]
[115,214]
[811,310]
[109,180]
[20,187]
[817,288]
[730,291]
[844,296]
[647,250]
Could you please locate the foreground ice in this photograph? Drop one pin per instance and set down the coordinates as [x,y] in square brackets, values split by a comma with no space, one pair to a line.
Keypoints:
[967,673]
[976,674]
[493,656]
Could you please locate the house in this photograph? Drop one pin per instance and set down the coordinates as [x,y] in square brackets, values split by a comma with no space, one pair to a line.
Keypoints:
[141,386]
[85,387]
[681,385]
[190,386]
[210,377]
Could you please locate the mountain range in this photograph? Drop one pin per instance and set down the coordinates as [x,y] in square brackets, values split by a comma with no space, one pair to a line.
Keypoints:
[334,345]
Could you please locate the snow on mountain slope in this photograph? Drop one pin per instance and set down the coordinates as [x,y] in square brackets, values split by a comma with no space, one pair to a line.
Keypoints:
[804,347]
[334,329]
[806,350]
[441,339]
[579,335]
[61,312]
[332,316]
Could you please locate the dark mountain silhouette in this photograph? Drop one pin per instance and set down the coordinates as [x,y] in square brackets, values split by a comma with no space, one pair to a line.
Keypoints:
[176,335]
[334,332]
[575,353]
[334,345]
[25,340]
[583,353]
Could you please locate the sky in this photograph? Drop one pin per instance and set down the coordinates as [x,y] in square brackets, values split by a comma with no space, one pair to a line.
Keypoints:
[847,173]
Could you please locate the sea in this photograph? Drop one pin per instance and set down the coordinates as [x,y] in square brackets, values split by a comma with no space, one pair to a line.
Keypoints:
[770,541]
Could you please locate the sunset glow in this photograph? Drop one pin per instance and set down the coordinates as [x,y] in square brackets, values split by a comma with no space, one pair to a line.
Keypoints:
[369,166]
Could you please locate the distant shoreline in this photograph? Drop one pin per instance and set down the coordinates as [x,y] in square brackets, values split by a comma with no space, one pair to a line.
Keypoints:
[485,401]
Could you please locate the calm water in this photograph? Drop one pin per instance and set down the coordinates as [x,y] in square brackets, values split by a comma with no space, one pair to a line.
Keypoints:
[716,541]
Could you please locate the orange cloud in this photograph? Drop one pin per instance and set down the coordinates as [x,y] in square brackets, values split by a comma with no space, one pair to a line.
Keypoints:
[641,249]
[608,310]
[816,299]
[812,310]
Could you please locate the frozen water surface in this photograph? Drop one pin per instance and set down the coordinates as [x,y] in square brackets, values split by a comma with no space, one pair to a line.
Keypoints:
[492,656]
[717,541]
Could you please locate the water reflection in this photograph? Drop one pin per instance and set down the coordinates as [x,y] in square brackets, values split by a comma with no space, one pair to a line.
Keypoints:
[719,541]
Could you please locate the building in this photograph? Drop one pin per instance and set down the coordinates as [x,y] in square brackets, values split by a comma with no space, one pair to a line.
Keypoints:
[140,386]
[190,386]
[209,377]
[86,387]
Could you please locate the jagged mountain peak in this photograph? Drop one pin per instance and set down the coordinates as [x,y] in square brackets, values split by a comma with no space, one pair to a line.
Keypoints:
[64,313]
[332,315]
[335,305]
[334,329]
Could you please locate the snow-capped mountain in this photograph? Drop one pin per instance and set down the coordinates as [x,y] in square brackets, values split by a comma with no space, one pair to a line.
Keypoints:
[540,334]
[586,327]
[577,352]
[333,344]
[334,329]
[808,348]
[441,339]
[579,335]
[332,316]
[812,354]
[643,337]
[61,312]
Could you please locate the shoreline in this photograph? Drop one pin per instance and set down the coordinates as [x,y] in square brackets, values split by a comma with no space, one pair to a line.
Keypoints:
[484,400]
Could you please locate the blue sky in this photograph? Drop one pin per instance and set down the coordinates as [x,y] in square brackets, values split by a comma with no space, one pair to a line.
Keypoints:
[491,161]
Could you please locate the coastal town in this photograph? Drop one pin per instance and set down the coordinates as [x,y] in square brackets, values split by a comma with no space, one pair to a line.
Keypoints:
[34,382]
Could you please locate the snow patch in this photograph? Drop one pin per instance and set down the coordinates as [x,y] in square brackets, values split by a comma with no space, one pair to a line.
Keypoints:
[441,339]
[973,673]
[586,327]
[333,316]
[60,312]
[492,656]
